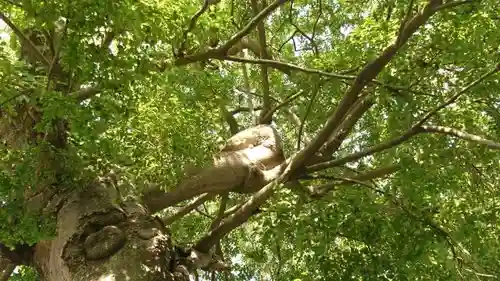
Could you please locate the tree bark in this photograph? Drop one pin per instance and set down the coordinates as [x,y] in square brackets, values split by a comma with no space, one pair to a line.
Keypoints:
[97,240]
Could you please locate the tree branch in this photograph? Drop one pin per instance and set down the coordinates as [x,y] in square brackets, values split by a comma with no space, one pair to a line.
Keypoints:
[283,65]
[454,97]
[244,109]
[211,180]
[270,113]
[462,135]
[414,130]
[358,110]
[266,115]
[246,84]
[280,65]
[302,122]
[452,4]
[405,20]
[231,121]
[192,24]
[221,51]
[376,173]
[188,208]
[220,212]
[236,219]
[85,93]
[367,74]
[25,39]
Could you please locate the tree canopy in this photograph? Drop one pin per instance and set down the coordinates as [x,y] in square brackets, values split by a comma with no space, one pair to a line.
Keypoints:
[388,111]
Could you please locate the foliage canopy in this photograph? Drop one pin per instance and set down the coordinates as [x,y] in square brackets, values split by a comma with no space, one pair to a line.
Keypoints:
[155,113]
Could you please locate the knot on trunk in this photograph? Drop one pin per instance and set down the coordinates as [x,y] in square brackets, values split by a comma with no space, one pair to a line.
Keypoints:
[103,243]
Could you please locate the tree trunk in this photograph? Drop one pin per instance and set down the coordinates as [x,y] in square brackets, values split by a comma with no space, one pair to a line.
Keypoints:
[98,240]
[95,239]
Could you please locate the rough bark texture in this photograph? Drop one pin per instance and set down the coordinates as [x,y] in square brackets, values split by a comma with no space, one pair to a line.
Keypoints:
[97,240]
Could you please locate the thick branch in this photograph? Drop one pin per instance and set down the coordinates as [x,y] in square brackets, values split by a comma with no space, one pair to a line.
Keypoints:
[358,110]
[462,135]
[368,73]
[249,160]
[212,180]
[236,219]
[414,130]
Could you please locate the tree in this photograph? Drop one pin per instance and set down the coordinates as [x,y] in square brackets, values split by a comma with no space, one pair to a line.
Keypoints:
[249,140]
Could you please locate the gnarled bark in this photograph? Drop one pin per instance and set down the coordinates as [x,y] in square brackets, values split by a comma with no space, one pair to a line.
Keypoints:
[97,240]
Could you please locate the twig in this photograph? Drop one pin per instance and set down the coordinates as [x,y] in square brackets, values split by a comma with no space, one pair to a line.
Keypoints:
[188,208]
[480,274]
[220,51]
[308,110]
[10,99]
[244,109]
[278,64]
[270,113]
[283,65]
[463,135]
[454,97]
[192,24]
[246,84]
[315,25]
